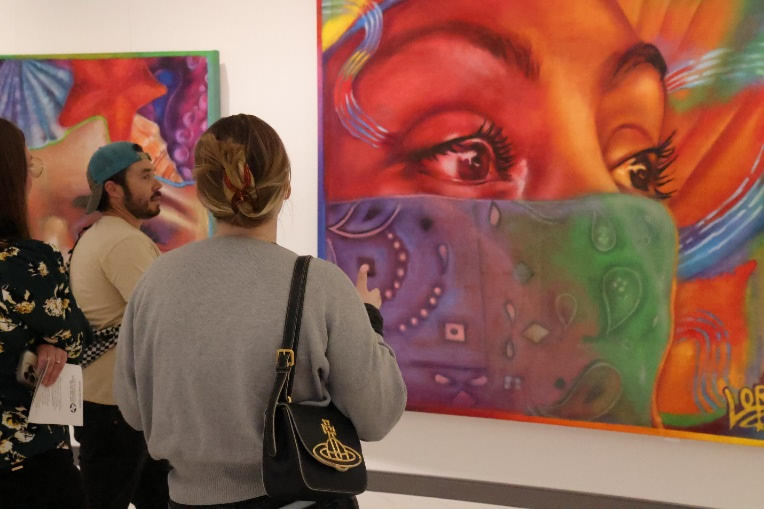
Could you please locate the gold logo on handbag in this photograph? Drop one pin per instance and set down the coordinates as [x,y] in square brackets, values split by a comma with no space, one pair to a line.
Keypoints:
[333,452]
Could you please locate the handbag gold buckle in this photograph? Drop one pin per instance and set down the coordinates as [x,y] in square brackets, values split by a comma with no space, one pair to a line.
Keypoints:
[290,356]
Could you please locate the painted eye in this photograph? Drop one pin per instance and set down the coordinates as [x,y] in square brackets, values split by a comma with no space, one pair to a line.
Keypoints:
[483,156]
[468,161]
[633,174]
[645,172]
[441,380]
[641,175]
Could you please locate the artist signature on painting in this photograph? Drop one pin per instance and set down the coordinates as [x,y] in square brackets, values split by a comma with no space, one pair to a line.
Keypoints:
[750,414]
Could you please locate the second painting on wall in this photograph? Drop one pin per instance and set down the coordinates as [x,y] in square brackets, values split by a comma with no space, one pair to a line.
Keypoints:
[69,105]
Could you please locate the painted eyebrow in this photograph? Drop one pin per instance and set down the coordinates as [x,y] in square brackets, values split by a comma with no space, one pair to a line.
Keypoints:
[511,48]
[641,53]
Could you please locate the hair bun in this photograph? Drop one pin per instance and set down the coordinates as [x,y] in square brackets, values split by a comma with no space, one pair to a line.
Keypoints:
[242,170]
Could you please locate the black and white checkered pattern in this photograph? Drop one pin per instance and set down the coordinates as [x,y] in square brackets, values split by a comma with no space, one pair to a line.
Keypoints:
[103,341]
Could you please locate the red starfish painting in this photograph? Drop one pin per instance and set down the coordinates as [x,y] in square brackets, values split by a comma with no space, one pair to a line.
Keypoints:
[114,88]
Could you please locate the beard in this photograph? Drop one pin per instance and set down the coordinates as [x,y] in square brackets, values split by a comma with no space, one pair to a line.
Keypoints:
[139,209]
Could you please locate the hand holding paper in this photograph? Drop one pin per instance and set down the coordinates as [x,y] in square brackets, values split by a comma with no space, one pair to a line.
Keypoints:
[60,403]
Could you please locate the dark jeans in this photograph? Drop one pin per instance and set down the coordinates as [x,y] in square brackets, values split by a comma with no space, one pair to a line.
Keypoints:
[47,481]
[266,503]
[115,464]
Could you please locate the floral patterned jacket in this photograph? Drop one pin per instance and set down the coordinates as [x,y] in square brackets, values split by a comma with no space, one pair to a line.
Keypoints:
[36,306]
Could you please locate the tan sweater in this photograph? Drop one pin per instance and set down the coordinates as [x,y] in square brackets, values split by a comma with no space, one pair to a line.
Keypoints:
[109,259]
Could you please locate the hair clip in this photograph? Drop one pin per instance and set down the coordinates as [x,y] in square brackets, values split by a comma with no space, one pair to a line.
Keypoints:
[239,194]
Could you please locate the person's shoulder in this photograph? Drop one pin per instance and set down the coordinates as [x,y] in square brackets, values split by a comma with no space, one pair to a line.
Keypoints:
[28,250]
[190,249]
[29,258]
[130,233]
[104,234]
[181,256]
[126,238]
[327,273]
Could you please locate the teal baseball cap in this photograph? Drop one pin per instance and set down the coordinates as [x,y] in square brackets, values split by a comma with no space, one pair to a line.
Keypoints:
[107,162]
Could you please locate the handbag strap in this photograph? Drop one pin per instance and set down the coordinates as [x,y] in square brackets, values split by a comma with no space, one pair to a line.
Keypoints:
[293,321]
[285,356]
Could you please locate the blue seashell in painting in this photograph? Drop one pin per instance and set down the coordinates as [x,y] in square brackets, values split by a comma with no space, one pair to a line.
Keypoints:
[32,93]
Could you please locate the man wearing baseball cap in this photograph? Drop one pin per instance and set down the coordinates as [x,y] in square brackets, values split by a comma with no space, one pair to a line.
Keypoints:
[106,263]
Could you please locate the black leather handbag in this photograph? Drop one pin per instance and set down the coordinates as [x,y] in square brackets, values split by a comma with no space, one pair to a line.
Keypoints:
[309,452]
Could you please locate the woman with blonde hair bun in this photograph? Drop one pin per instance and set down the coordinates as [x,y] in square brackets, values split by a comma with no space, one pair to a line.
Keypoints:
[196,352]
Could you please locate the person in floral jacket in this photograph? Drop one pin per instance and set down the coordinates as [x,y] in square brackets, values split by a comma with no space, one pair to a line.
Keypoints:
[39,314]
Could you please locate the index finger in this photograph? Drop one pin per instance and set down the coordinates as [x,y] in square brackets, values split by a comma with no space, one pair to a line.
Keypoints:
[363,277]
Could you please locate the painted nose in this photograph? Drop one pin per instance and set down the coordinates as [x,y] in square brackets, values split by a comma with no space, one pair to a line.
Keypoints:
[572,164]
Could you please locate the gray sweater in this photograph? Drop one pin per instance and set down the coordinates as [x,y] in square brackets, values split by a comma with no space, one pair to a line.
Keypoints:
[197,351]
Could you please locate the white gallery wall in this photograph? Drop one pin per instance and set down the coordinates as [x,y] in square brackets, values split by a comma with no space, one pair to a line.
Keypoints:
[268,60]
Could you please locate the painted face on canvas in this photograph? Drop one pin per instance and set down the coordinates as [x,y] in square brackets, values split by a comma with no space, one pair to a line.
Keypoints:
[509,100]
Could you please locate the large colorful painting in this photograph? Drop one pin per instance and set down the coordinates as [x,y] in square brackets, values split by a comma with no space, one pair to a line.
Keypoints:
[69,105]
[561,202]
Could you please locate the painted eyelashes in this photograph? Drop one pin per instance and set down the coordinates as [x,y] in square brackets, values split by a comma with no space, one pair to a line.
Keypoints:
[474,159]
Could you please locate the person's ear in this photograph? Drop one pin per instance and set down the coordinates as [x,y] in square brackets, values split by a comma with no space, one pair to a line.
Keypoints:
[113,189]
[288,192]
